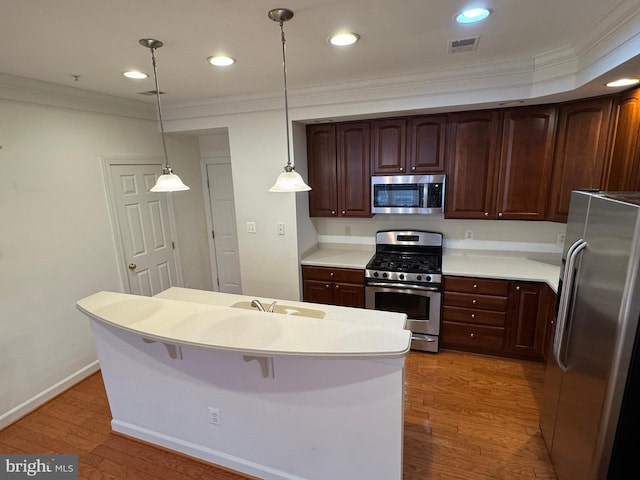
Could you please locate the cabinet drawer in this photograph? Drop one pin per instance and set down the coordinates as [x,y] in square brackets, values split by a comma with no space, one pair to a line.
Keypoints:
[469,300]
[347,275]
[472,337]
[477,317]
[483,286]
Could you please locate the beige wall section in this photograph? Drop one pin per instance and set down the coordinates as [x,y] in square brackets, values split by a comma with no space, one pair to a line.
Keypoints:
[56,241]
[269,262]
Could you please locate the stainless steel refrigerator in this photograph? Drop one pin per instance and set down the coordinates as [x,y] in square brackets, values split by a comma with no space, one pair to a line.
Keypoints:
[589,414]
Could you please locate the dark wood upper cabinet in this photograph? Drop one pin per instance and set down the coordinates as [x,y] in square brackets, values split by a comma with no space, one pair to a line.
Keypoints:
[426,139]
[526,160]
[581,151]
[322,165]
[625,154]
[339,171]
[389,146]
[472,149]
[354,169]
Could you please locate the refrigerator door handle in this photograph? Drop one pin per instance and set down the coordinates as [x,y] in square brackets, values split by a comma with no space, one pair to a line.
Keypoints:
[567,294]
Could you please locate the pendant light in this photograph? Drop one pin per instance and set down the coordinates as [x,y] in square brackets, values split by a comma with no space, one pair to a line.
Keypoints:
[289,180]
[168,181]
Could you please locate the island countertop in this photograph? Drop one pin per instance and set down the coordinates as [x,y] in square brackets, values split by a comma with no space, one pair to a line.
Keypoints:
[207,319]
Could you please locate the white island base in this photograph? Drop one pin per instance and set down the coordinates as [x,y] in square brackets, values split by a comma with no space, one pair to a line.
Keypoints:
[263,413]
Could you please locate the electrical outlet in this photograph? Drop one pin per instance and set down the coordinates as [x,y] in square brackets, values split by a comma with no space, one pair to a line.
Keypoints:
[560,240]
[468,234]
[281,229]
[251,227]
[214,416]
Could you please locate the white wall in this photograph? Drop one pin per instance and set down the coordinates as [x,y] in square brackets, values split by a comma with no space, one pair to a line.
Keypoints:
[56,243]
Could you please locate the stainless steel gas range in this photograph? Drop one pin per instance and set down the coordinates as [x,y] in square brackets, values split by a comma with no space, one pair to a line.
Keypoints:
[405,275]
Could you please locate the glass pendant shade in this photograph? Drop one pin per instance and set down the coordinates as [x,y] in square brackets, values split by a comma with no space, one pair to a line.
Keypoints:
[290,181]
[168,182]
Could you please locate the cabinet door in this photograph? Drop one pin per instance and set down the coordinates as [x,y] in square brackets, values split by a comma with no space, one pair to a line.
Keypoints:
[322,164]
[526,159]
[580,154]
[389,146]
[624,151]
[348,295]
[526,325]
[317,291]
[472,158]
[426,144]
[354,171]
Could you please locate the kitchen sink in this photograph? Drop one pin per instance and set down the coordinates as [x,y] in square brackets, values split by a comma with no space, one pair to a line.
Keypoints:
[285,310]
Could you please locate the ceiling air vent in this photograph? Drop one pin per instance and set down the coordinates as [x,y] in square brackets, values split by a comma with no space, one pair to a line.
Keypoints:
[463,45]
[151,92]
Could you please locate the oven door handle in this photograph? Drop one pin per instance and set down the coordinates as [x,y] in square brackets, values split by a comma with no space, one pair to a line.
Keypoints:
[402,286]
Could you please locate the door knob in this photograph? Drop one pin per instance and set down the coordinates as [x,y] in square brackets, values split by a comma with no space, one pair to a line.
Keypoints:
[132,266]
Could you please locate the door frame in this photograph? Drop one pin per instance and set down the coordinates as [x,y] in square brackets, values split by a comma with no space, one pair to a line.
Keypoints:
[220,159]
[107,162]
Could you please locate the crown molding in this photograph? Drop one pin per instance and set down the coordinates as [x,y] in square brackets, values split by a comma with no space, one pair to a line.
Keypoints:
[27,90]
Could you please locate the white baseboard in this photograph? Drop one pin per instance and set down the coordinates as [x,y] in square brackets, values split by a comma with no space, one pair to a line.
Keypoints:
[43,397]
[201,452]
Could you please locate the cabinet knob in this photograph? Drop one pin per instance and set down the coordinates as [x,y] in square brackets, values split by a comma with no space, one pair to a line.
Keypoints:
[518,287]
[343,212]
[475,285]
[401,169]
[331,274]
[333,212]
[471,335]
[337,287]
[413,168]
[474,301]
[327,286]
[486,214]
[500,214]
[473,315]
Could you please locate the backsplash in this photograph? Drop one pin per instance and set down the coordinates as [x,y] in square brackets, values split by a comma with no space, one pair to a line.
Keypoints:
[474,235]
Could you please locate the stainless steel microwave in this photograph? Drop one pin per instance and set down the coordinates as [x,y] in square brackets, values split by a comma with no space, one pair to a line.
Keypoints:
[402,194]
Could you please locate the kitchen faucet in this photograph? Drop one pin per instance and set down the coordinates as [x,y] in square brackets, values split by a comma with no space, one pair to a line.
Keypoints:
[256,303]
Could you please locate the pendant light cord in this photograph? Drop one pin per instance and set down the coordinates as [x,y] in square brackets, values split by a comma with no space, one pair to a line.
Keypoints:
[289,167]
[167,168]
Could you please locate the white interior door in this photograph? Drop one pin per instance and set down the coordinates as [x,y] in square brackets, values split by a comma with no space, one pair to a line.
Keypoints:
[144,227]
[224,234]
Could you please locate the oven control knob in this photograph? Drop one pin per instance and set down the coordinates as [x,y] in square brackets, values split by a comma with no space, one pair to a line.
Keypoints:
[375,274]
[401,276]
[427,278]
[384,275]
[419,277]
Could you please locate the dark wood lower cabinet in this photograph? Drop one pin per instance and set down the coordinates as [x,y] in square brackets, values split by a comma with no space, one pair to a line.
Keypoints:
[496,317]
[333,286]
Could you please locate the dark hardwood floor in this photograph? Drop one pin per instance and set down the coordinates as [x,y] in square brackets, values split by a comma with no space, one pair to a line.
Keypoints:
[467,417]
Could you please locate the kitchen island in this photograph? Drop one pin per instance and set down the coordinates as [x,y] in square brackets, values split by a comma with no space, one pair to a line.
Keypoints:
[313,392]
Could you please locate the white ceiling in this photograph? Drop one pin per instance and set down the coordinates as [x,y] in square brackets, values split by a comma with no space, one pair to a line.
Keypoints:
[97,40]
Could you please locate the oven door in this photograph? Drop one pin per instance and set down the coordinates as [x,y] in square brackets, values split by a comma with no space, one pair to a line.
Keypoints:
[421,304]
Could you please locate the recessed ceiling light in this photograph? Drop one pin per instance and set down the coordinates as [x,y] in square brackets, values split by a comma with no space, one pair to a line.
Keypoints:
[135,74]
[473,15]
[344,39]
[221,60]
[623,82]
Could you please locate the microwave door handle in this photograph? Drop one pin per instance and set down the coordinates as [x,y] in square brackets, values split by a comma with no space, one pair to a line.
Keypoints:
[565,298]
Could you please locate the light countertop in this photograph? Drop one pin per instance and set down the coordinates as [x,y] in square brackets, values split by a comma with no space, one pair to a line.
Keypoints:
[206,319]
[457,262]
